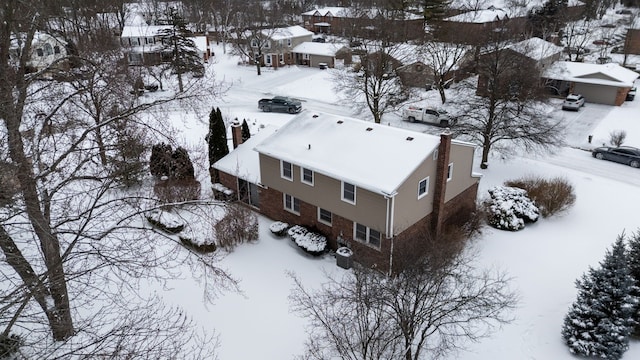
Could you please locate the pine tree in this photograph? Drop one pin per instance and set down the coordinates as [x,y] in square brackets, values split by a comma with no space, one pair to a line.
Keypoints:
[185,56]
[600,321]
[160,160]
[633,257]
[246,134]
[217,139]
[181,165]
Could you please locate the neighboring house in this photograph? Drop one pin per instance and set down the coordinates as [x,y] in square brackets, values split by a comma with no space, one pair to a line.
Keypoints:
[374,188]
[476,27]
[366,23]
[416,69]
[312,54]
[143,45]
[48,53]
[598,83]
[276,50]
[534,53]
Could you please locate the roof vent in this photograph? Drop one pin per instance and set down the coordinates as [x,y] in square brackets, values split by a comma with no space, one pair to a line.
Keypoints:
[315,116]
[369,128]
[409,138]
[340,121]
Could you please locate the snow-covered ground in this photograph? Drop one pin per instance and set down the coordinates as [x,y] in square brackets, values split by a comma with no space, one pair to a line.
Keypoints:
[544,259]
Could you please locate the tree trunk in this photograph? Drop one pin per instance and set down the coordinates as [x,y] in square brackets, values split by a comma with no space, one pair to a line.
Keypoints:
[486,146]
[443,96]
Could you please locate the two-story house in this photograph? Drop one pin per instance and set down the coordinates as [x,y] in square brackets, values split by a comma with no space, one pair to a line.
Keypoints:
[143,44]
[273,47]
[48,53]
[374,188]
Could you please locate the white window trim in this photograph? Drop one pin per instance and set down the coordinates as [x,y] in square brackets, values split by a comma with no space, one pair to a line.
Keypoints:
[282,162]
[420,196]
[367,241]
[289,42]
[450,172]
[293,199]
[328,223]
[355,191]
[313,176]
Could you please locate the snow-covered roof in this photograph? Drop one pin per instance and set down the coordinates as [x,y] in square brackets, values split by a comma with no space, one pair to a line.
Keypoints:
[371,156]
[142,30]
[314,48]
[479,16]
[602,74]
[287,32]
[201,43]
[343,12]
[536,48]
[504,4]
[244,161]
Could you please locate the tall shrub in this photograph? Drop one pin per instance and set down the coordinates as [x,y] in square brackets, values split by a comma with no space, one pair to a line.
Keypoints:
[217,139]
[160,161]
[246,134]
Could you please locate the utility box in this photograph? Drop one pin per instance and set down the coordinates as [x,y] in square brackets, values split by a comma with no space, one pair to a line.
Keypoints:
[344,258]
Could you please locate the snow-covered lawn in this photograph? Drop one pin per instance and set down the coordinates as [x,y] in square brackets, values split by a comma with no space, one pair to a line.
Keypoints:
[544,259]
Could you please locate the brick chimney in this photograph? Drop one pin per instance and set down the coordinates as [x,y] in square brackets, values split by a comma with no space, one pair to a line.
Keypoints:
[236,133]
[442,169]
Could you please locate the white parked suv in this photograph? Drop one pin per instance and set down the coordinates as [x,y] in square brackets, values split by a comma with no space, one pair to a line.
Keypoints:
[573,102]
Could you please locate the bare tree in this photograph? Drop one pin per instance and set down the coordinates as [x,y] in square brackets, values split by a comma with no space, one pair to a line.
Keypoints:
[74,243]
[577,35]
[426,310]
[509,108]
[444,58]
[372,84]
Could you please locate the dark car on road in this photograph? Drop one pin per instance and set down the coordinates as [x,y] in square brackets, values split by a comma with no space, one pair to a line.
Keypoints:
[625,155]
[280,103]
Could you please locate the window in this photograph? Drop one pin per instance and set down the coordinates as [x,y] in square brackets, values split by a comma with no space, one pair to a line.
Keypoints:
[348,192]
[289,42]
[267,44]
[48,50]
[305,56]
[286,170]
[268,60]
[281,57]
[325,216]
[366,235]
[39,52]
[56,49]
[306,176]
[450,171]
[254,43]
[292,204]
[423,187]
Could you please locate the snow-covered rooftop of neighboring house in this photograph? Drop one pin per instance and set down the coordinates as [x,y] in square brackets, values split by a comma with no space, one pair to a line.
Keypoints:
[142,30]
[536,48]
[286,33]
[584,73]
[503,4]
[314,48]
[201,42]
[244,161]
[371,156]
[479,16]
[348,12]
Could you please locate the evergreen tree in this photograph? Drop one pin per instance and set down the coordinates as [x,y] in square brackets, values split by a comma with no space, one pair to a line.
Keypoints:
[246,134]
[549,18]
[600,321]
[185,56]
[217,139]
[633,257]
[160,161]
[181,165]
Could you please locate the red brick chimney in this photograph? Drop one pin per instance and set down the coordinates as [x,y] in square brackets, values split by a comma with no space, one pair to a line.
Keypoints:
[236,133]
[442,170]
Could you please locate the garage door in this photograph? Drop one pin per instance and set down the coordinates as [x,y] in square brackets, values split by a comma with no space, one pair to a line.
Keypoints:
[599,94]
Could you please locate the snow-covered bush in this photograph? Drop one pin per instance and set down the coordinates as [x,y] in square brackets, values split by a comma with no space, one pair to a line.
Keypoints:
[199,236]
[310,242]
[551,196]
[165,221]
[509,208]
[238,225]
[279,228]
